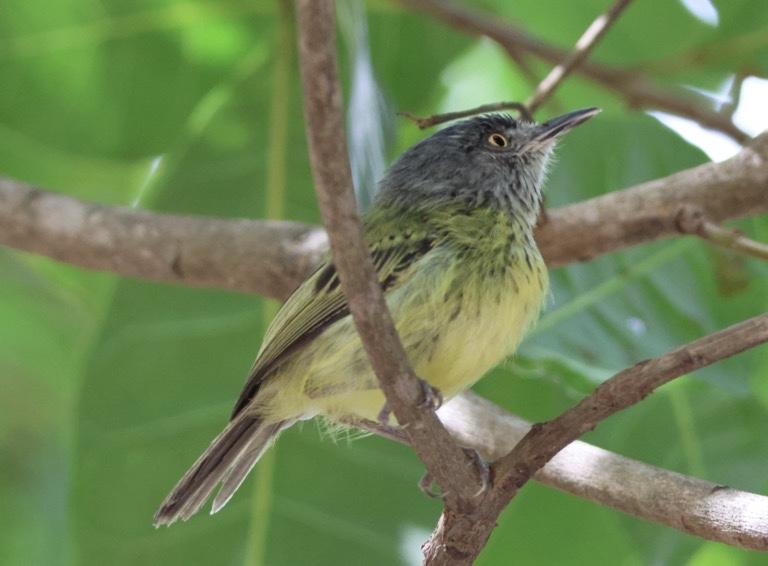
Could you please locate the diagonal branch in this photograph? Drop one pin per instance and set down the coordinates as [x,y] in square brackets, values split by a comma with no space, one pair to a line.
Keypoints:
[583,48]
[548,85]
[654,494]
[544,441]
[706,509]
[445,461]
[623,390]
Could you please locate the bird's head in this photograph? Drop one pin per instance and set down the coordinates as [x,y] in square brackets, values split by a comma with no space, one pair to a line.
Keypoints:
[492,160]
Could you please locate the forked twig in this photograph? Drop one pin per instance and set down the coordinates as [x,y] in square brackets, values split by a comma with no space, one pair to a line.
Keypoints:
[692,220]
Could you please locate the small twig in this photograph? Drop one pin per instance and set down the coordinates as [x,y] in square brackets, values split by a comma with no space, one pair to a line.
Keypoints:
[584,47]
[436,119]
[728,109]
[692,220]
[635,88]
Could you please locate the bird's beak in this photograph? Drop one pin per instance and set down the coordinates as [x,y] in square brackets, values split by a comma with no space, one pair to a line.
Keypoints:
[552,129]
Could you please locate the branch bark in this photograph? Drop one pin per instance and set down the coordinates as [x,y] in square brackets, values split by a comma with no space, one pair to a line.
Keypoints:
[323,113]
[691,505]
[263,257]
[459,539]
[272,258]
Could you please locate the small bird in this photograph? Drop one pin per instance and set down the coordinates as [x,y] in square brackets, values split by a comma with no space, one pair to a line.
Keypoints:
[451,237]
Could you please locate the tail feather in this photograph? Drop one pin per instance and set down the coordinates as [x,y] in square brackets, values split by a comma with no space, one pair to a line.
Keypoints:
[239,469]
[228,459]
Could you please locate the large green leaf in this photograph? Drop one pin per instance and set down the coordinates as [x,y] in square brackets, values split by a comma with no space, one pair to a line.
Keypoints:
[112,387]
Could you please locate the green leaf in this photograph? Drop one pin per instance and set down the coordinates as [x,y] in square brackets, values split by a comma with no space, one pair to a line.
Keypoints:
[110,388]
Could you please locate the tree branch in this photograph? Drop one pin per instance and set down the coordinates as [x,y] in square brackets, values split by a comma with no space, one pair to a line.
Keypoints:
[272,258]
[692,220]
[694,506]
[323,112]
[724,191]
[435,119]
[264,257]
[459,540]
[583,48]
[634,87]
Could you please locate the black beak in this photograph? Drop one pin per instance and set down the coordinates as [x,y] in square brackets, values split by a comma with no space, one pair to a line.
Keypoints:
[552,129]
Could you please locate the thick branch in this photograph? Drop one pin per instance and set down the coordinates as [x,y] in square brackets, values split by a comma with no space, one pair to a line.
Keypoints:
[543,442]
[271,258]
[732,189]
[262,257]
[634,87]
[323,113]
[694,506]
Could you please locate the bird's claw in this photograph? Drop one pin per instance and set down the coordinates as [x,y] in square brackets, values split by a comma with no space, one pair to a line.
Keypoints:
[425,485]
[482,467]
[383,416]
[433,399]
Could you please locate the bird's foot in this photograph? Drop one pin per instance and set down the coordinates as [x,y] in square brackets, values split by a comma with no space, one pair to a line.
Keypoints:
[433,399]
[483,472]
[482,467]
[425,485]
[383,416]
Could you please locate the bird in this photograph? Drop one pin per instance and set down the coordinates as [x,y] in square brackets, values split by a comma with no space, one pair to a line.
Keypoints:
[450,234]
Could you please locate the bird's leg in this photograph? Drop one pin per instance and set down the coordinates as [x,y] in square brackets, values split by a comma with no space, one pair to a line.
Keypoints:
[383,416]
[433,399]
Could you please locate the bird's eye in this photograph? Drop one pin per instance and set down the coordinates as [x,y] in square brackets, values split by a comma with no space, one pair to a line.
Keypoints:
[498,140]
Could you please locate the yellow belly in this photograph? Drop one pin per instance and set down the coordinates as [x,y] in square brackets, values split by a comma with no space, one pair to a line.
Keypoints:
[451,342]
[480,338]
[450,352]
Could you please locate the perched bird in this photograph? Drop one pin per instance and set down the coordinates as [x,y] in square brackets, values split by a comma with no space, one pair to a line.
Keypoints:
[451,237]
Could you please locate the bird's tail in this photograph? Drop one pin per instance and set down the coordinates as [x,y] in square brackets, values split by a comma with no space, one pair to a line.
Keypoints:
[227,460]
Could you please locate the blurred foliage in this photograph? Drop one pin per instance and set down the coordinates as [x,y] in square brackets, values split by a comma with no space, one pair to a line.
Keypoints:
[110,388]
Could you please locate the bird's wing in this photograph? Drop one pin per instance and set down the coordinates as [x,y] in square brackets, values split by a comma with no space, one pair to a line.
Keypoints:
[319,301]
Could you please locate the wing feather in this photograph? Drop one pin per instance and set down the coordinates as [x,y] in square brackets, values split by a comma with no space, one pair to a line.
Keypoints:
[319,301]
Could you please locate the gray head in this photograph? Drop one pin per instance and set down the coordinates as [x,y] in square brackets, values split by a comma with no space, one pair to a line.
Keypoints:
[492,160]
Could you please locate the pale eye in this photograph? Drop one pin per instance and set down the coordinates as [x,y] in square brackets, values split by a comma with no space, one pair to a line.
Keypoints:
[498,140]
